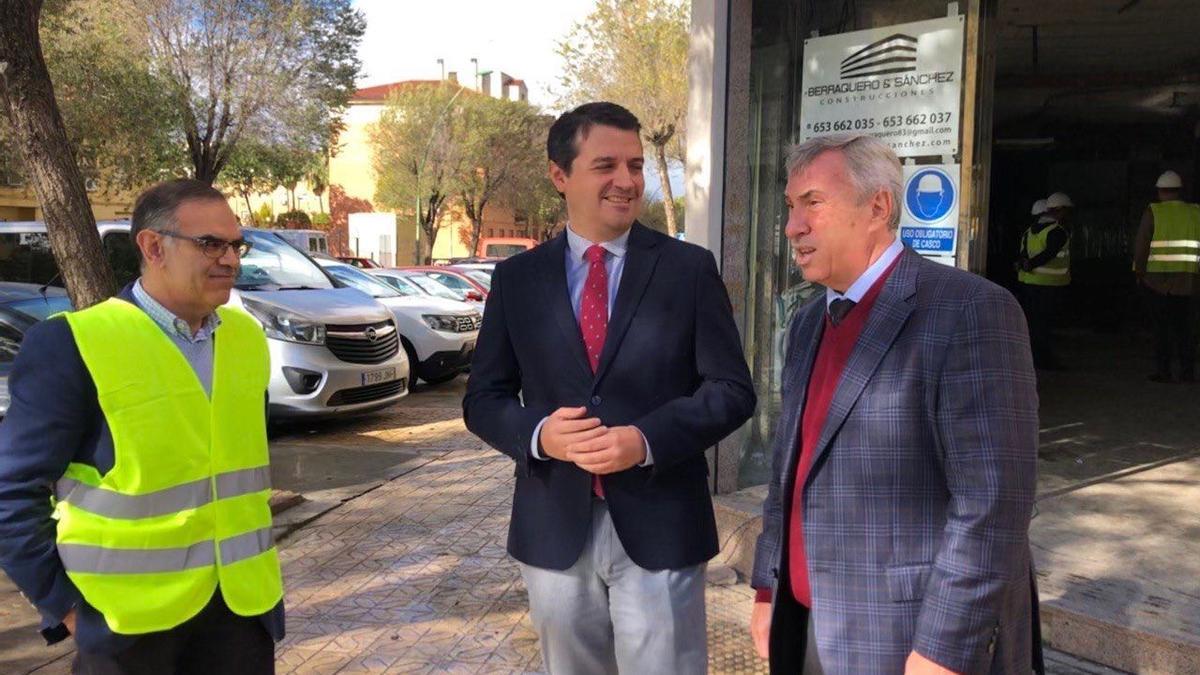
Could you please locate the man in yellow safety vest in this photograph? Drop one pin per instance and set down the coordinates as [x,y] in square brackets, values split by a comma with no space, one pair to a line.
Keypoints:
[1044,272]
[134,478]
[1166,262]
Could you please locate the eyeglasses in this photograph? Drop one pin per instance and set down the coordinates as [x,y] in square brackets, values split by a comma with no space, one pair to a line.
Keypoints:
[212,247]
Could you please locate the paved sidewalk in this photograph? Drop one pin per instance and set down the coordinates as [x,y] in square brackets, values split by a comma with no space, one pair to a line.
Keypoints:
[413,578]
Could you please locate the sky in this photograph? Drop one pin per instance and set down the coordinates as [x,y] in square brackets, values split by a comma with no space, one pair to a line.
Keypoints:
[405,38]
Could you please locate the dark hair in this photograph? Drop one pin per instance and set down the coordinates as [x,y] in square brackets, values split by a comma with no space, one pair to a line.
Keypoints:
[562,144]
[155,208]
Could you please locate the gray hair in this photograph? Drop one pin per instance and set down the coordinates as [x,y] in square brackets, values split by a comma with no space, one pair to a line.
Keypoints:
[155,208]
[872,165]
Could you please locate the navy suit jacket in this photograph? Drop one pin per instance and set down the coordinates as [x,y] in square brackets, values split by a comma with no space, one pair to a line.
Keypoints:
[917,504]
[672,366]
[54,418]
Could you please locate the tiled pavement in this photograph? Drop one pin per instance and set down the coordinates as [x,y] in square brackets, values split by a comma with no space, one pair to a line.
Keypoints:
[413,578]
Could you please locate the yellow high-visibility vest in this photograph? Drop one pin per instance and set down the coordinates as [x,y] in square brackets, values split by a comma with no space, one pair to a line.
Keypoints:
[1057,270]
[185,506]
[1175,248]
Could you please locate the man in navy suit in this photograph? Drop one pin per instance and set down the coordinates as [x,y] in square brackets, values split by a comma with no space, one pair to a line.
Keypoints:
[895,530]
[607,363]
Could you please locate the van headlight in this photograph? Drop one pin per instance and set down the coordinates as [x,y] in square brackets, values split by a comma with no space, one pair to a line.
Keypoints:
[283,325]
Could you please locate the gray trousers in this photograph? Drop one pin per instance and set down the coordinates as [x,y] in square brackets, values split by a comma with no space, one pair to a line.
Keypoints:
[607,615]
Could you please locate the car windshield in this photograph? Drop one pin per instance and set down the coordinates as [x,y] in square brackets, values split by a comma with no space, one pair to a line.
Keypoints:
[41,308]
[360,280]
[481,276]
[401,284]
[455,283]
[434,287]
[271,265]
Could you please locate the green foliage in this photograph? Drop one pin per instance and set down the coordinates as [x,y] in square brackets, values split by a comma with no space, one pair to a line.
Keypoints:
[277,71]
[442,142]
[634,52]
[293,220]
[654,215]
[264,215]
[118,111]
[322,221]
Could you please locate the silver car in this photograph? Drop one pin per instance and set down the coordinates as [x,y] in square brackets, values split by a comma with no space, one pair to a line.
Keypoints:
[334,350]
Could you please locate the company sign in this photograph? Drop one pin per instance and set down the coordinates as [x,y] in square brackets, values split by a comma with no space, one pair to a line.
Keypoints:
[901,83]
[929,218]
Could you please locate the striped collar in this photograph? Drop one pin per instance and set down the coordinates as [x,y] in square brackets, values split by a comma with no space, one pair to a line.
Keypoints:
[173,325]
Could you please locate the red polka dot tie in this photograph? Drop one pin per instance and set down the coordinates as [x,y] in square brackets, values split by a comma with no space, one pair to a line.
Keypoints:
[593,318]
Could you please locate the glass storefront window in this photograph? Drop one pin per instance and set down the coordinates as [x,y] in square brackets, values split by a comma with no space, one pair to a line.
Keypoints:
[775,287]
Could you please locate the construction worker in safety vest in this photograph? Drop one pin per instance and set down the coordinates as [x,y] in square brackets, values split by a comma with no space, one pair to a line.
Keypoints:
[1166,263]
[134,479]
[1043,273]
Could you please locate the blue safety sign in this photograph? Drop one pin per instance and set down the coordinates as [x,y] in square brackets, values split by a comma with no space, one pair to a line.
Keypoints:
[930,195]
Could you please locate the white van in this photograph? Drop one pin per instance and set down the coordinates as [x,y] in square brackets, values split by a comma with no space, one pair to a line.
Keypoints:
[334,350]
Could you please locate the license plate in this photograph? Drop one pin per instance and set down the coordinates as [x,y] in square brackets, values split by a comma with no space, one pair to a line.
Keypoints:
[379,376]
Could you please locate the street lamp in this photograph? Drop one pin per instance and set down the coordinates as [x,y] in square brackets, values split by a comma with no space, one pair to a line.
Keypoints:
[420,168]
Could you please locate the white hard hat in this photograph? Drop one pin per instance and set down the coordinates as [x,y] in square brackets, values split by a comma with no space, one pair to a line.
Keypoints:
[929,183]
[1058,200]
[1169,180]
[1039,207]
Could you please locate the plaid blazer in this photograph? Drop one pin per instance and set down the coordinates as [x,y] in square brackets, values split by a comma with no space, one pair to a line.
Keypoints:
[917,506]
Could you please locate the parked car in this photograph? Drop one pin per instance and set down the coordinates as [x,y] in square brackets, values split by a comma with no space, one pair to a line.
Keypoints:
[361,263]
[401,279]
[334,350]
[22,306]
[439,334]
[479,272]
[503,247]
[470,287]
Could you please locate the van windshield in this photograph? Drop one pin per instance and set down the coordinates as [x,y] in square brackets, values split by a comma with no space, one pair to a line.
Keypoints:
[272,265]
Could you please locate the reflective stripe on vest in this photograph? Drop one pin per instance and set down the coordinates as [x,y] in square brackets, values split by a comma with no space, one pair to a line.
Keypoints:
[1175,248]
[163,502]
[83,558]
[185,507]
[1056,271]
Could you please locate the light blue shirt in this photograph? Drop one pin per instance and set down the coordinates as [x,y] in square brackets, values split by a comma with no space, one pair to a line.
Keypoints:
[196,347]
[577,271]
[577,267]
[864,283]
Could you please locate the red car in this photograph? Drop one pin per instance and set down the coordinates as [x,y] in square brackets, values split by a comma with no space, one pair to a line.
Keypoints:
[460,282]
[361,263]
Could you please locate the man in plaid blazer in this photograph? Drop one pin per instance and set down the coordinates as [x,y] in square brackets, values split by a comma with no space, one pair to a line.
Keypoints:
[895,529]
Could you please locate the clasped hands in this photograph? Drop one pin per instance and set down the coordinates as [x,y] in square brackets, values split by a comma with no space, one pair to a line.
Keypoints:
[570,436]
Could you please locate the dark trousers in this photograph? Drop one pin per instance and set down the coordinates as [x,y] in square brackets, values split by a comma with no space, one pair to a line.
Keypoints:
[793,643]
[1042,306]
[1173,334]
[214,641]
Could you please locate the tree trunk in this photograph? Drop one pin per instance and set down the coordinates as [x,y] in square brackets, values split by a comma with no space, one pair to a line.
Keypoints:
[664,176]
[249,211]
[28,98]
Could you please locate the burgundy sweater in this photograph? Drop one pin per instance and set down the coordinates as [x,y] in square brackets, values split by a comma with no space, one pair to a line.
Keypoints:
[837,344]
